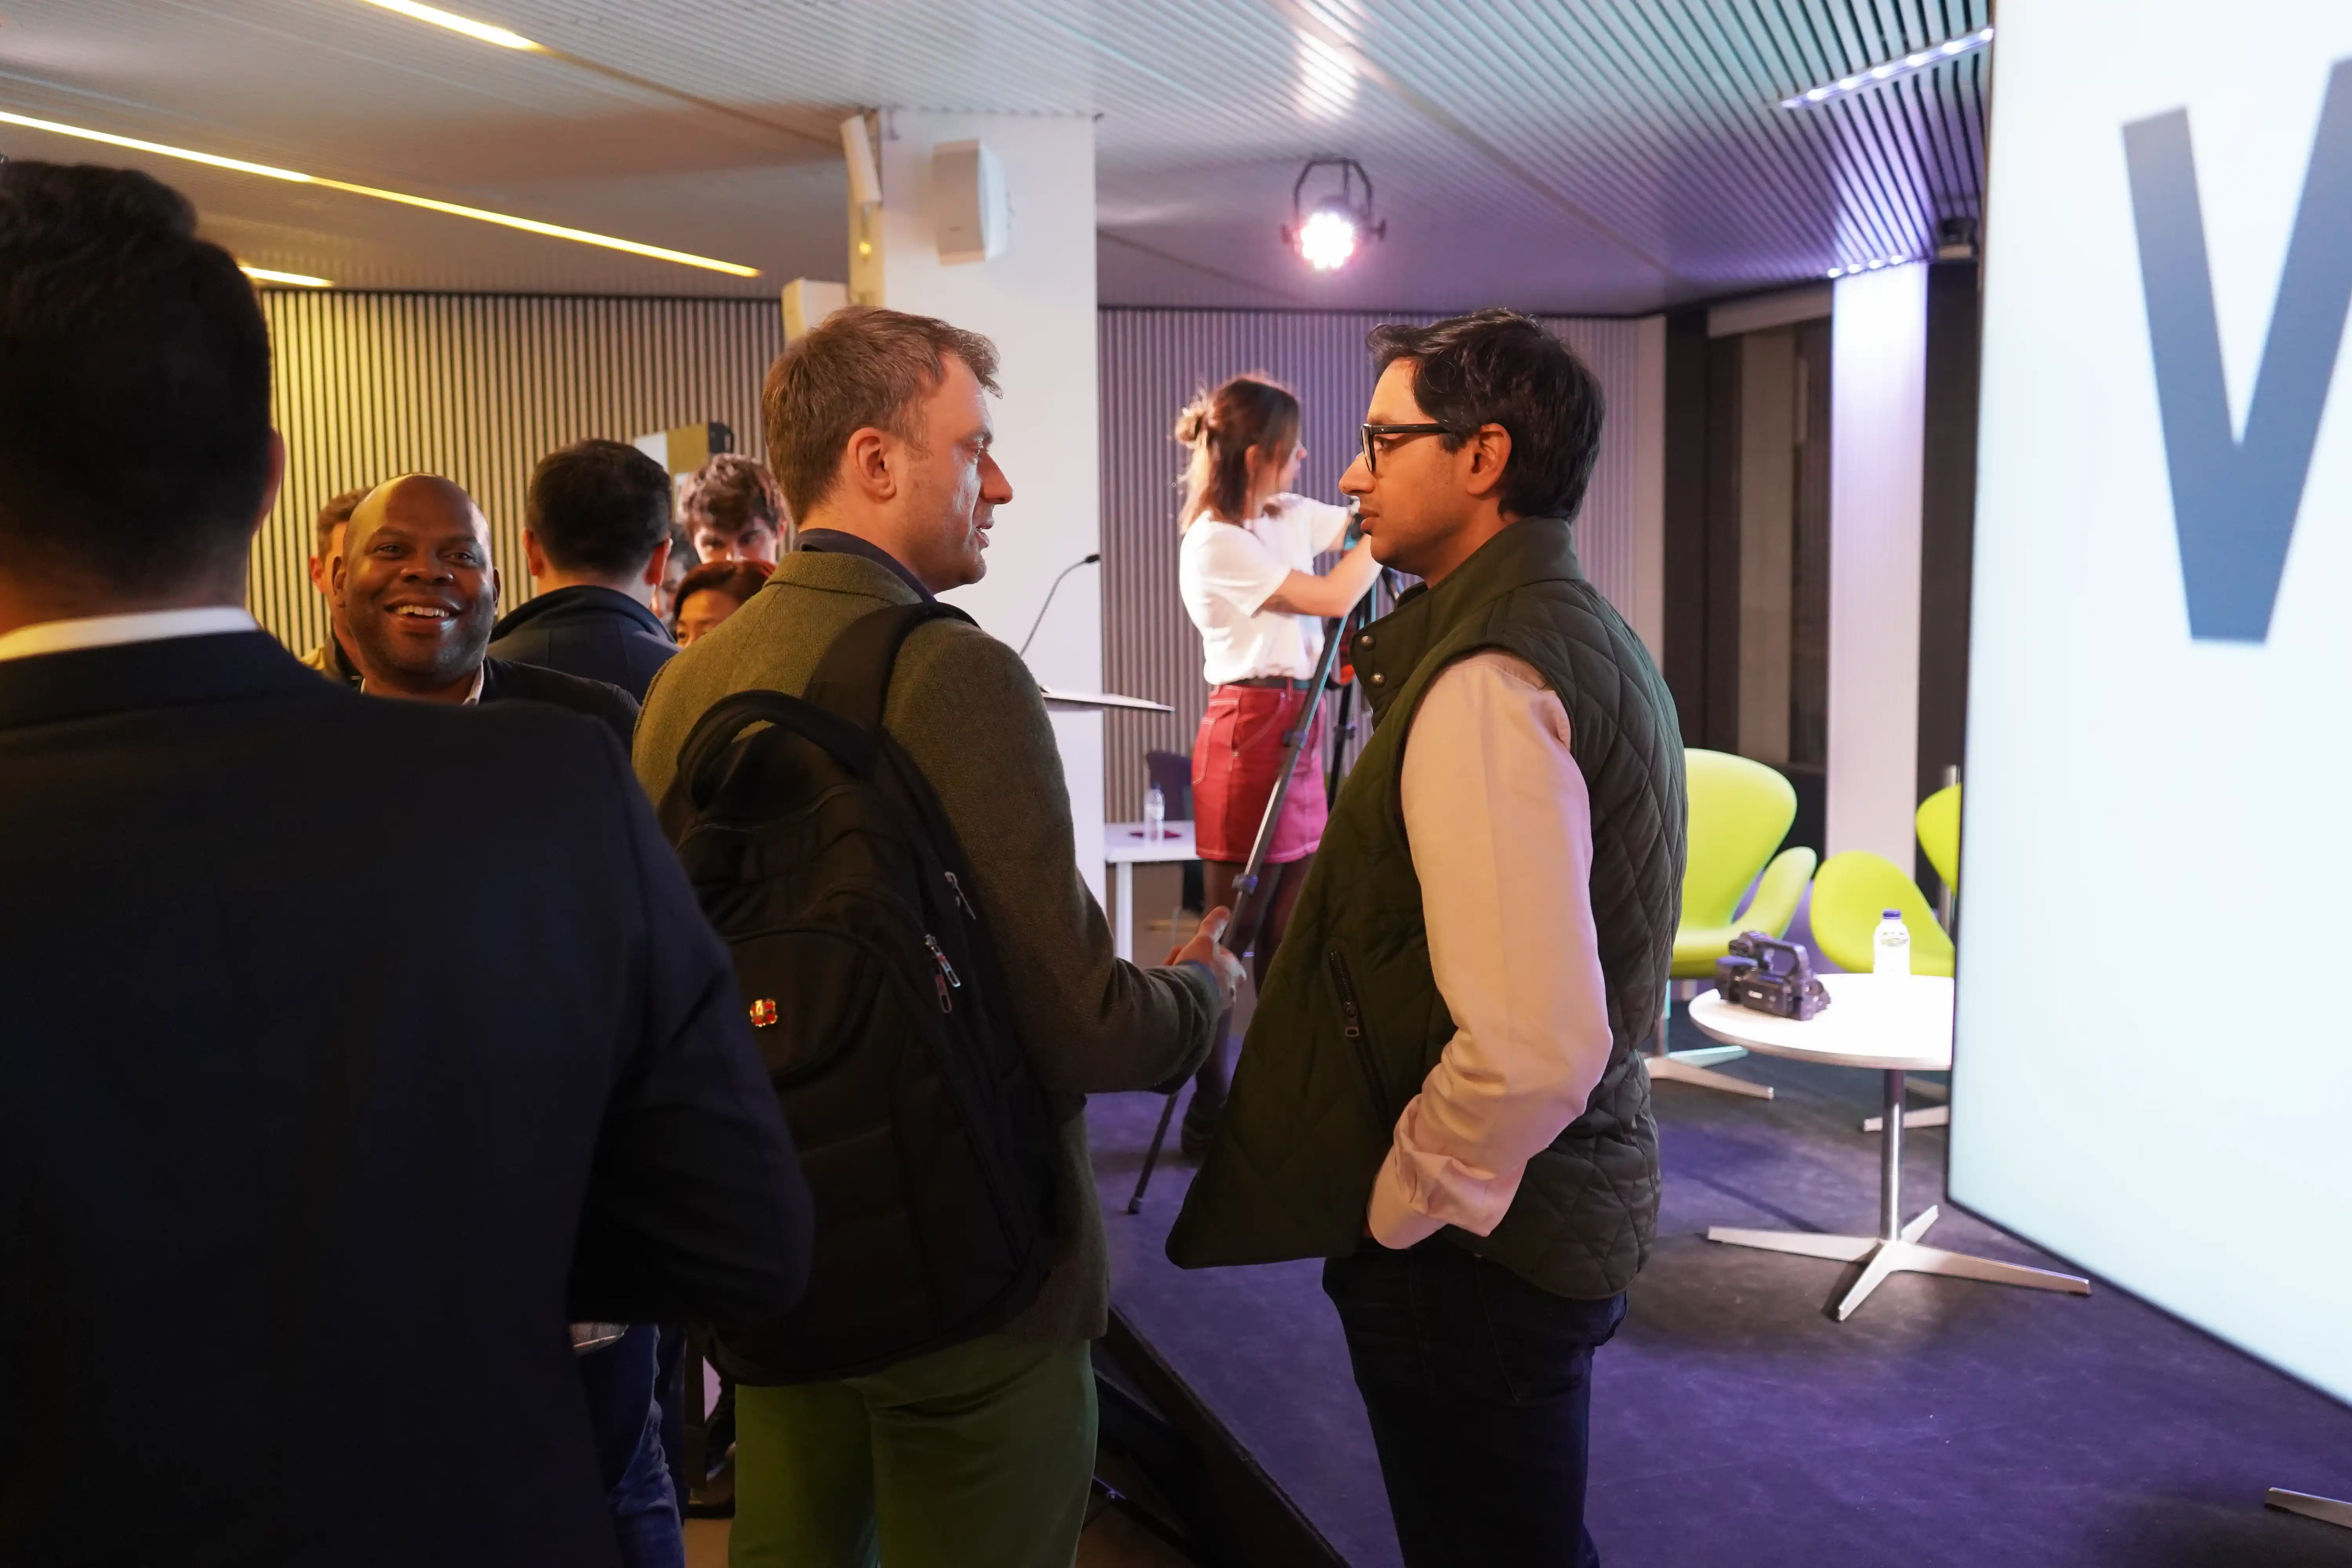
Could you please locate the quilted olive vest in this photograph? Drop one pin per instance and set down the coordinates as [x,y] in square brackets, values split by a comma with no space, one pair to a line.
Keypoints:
[1350,1021]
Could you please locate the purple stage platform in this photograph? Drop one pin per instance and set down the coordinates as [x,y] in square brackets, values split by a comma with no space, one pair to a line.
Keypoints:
[1946,1424]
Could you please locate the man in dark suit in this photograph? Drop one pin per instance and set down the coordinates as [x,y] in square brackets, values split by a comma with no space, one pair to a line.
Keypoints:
[349,1049]
[416,590]
[596,530]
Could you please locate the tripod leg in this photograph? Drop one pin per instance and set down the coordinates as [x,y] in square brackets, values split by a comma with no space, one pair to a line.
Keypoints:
[1151,1156]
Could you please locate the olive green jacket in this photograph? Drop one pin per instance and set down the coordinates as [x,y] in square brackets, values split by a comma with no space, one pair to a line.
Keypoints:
[1351,1020]
[968,713]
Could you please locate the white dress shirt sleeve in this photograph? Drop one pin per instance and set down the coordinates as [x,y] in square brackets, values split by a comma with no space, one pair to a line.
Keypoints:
[1501,833]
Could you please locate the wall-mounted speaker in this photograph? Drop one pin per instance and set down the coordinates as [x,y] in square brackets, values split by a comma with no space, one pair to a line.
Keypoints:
[971,210]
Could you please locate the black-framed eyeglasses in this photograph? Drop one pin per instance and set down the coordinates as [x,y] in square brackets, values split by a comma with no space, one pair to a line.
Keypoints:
[1375,433]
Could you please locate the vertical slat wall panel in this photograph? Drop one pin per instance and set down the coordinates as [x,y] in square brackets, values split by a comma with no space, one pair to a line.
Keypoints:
[1152,362]
[477,388]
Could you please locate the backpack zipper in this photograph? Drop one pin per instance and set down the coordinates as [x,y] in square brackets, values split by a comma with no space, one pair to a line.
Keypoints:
[957,889]
[947,975]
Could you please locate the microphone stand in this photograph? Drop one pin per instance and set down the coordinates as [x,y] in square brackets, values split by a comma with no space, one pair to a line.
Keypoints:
[1241,926]
[1022,652]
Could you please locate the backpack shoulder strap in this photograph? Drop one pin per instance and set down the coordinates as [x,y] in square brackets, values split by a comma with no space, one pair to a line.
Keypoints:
[699,761]
[854,677]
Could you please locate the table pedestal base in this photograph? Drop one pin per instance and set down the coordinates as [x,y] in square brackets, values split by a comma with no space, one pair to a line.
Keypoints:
[1900,1253]
[2325,1509]
[1677,1067]
[1895,1248]
[1931,1116]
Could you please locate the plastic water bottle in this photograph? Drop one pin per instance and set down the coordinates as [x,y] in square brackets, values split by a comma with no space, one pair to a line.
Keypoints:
[1890,945]
[1155,812]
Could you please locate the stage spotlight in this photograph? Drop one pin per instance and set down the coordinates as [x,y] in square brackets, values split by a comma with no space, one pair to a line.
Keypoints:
[1329,237]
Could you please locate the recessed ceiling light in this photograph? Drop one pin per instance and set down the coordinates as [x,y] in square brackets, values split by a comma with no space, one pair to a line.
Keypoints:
[457,24]
[270,275]
[1876,264]
[1881,74]
[480,214]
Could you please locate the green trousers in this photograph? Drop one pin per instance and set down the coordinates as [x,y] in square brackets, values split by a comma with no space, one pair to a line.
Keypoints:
[979,1456]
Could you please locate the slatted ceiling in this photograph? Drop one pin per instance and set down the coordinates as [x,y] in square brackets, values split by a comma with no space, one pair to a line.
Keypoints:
[1501,119]
[1152,363]
[477,388]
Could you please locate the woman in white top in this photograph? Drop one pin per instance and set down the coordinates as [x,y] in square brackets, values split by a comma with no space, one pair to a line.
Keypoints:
[1246,570]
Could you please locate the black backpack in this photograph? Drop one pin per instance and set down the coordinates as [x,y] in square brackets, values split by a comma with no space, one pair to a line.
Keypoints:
[822,858]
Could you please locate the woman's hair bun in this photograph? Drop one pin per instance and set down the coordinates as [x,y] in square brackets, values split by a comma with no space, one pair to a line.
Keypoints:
[1192,424]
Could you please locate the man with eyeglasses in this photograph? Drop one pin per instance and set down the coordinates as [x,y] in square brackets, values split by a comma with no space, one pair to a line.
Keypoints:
[1498,893]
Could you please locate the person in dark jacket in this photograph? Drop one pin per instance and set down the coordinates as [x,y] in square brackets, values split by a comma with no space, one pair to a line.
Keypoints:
[596,531]
[351,1049]
[416,590]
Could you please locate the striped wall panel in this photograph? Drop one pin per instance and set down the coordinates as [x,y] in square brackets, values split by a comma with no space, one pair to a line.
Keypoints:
[1153,360]
[477,388]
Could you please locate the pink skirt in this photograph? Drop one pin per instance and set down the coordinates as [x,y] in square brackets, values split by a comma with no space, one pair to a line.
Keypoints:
[1236,758]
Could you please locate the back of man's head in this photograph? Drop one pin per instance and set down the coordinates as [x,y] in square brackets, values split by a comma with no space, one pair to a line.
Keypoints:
[599,509]
[1498,367]
[861,367]
[135,449]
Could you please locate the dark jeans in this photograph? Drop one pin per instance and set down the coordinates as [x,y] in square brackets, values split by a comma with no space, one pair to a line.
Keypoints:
[619,1382]
[1479,1387]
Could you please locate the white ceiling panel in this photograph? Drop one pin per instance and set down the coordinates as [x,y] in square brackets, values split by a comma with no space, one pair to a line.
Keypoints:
[1602,156]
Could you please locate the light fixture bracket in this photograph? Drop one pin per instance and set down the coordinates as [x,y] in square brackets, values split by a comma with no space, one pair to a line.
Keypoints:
[1345,201]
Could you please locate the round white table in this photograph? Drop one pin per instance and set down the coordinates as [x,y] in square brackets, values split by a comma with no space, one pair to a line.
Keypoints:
[1124,848]
[1896,1025]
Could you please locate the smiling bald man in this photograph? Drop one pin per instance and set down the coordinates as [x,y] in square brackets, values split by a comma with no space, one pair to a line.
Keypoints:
[418,594]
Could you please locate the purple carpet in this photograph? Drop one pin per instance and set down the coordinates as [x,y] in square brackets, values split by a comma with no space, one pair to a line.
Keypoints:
[1736,1424]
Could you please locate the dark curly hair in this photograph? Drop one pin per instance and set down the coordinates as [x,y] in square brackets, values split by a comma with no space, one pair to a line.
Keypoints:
[731,490]
[1498,367]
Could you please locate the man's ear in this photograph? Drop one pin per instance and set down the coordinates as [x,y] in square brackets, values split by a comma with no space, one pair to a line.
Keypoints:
[656,567]
[533,554]
[869,462]
[1490,453]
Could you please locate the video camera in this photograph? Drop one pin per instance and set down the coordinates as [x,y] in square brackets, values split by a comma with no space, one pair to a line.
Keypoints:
[1769,977]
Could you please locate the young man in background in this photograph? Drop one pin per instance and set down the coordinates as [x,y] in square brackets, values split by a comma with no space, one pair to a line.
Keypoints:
[596,535]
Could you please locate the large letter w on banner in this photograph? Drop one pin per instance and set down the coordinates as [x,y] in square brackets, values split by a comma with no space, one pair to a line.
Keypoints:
[2235,501]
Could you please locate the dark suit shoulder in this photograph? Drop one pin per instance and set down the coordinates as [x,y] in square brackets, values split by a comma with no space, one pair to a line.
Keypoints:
[504,681]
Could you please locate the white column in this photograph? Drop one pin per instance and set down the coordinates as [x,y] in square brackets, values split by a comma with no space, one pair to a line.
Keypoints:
[1877,423]
[1648,613]
[1035,300]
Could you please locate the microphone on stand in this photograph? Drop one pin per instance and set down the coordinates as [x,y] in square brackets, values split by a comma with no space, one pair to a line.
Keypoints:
[1082,561]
